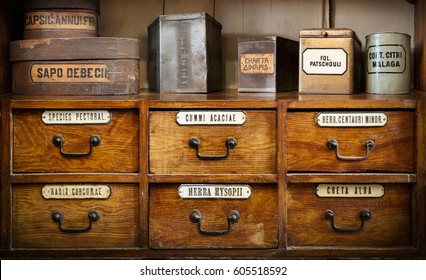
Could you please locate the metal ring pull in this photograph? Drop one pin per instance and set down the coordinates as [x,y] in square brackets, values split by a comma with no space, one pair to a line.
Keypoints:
[58,141]
[230,143]
[233,217]
[57,217]
[364,214]
[332,144]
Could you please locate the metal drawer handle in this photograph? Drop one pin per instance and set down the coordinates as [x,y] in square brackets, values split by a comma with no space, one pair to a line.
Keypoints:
[332,144]
[364,215]
[57,217]
[58,141]
[233,217]
[230,143]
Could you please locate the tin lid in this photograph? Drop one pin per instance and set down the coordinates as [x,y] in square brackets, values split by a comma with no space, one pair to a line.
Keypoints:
[387,33]
[182,17]
[62,4]
[328,33]
[263,38]
[75,49]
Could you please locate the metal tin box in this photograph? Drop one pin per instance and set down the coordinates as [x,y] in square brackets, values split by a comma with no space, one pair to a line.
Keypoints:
[185,54]
[267,64]
[61,18]
[388,63]
[75,66]
[330,61]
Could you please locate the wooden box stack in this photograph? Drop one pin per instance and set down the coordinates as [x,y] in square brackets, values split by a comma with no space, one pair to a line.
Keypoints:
[61,53]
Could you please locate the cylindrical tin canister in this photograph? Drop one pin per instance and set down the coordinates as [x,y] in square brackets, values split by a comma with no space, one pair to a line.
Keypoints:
[388,63]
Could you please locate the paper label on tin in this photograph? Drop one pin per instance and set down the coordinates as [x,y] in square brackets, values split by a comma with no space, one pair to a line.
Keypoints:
[76,191]
[324,61]
[349,190]
[214,191]
[351,119]
[60,20]
[386,59]
[211,117]
[69,73]
[257,63]
[76,117]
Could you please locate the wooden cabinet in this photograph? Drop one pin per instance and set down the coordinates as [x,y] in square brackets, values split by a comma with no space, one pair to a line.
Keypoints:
[289,176]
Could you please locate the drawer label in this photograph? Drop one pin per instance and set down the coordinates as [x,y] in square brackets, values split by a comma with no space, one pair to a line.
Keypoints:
[76,117]
[351,119]
[350,190]
[60,20]
[324,61]
[211,117]
[69,73]
[214,191]
[257,63]
[76,191]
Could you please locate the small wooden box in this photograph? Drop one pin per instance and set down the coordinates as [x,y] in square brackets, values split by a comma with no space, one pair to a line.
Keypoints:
[185,54]
[267,64]
[330,61]
[61,18]
[75,66]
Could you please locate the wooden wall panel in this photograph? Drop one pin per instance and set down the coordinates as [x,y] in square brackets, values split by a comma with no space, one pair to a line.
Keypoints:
[420,37]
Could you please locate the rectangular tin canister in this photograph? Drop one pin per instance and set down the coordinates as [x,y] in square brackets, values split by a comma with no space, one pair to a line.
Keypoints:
[330,61]
[75,66]
[185,54]
[267,64]
[388,63]
[61,18]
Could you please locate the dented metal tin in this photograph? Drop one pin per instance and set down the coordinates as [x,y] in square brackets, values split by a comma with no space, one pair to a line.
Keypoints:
[185,54]
[388,63]
[267,64]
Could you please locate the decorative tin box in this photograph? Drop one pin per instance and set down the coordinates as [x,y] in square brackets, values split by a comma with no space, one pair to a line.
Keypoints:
[61,18]
[75,66]
[267,64]
[330,61]
[185,54]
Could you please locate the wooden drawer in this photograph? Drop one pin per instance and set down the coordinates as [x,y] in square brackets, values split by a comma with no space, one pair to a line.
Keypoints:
[173,222]
[35,149]
[254,153]
[312,147]
[33,225]
[309,223]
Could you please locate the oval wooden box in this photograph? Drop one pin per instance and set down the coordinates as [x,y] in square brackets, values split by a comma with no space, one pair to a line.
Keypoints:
[75,66]
[170,225]
[33,226]
[61,19]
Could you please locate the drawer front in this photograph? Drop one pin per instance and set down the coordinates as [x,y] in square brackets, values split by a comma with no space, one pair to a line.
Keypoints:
[389,148]
[309,223]
[254,151]
[33,224]
[173,222]
[35,150]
